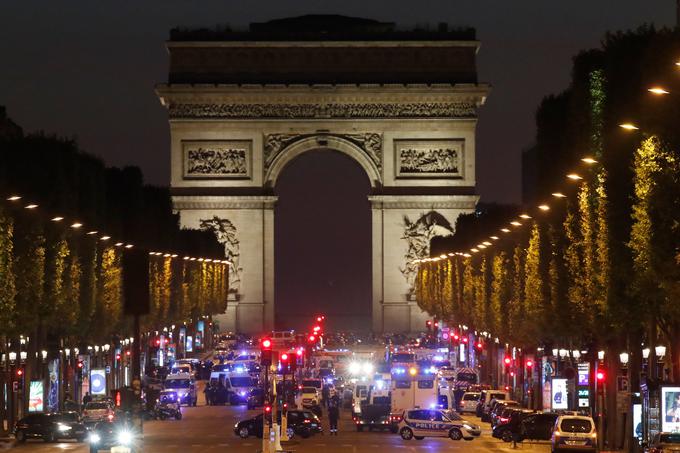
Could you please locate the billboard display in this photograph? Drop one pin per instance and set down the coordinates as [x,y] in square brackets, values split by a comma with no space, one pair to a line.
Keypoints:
[670,409]
[35,397]
[559,394]
[98,381]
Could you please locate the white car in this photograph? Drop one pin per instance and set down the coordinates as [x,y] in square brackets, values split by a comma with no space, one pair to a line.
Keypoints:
[96,411]
[469,402]
[574,432]
[420,423]
[309,396]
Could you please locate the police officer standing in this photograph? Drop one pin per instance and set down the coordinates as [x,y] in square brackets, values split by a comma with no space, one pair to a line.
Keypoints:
[333,412]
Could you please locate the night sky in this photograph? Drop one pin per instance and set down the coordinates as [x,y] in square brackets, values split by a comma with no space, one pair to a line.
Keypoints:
[88,69]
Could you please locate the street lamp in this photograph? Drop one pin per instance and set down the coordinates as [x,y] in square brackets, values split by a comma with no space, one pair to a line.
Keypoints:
[658,91]
[623,357]
[600,355]
[563,353]
[660,351]
[576,354]
[645,353]
[12,356]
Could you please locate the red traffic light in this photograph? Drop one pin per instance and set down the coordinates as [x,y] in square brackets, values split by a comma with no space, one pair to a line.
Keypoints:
[465,340]
[319,319]
[312,338]
[266,343]
[600,376]
[117,356]
[428,323]
[530,364]
[80,364]
[507,360]
[158,341]
[284,357]
[267,409]
[480,345]
[20,372]
[456,337]
[316,329]
[300,352]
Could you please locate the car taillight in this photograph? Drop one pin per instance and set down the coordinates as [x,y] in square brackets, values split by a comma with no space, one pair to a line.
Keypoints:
[306,420]
[503,419]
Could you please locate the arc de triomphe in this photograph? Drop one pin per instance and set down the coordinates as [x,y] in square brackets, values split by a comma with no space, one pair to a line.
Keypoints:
[242,105]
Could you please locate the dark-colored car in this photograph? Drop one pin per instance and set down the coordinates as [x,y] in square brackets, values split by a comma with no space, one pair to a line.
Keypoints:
[50,427]
[107,434]
[498,409]
[508,419]
[255,399]
[301,422]
[538,426]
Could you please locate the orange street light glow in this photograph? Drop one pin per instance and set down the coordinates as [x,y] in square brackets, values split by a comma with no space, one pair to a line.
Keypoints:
[31,206]
[629,126]
[658,91]
[515,223]
[525,216]
[76,225]
[574,177]
[589,160]
[559,195]
[105,238]
[495,238]
[544,207]
[487,243]
[14,198]
[57,219]
[505,230]
[473,250]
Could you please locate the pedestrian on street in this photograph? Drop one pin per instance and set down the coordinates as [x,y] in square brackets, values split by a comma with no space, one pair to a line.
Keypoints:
[87,398]
[333,412]
[208,394]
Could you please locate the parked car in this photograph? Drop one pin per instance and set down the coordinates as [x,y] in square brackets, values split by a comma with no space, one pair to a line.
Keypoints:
[498,409]
[469,402]
[421,423]
[574,432]
[309,396]
[509,418]
[486,398]
[538,426]
[50,427]
[96,411]
[300,422]
[662,442]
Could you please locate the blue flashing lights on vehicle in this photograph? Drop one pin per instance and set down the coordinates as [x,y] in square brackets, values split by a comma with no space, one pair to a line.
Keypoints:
[399,370]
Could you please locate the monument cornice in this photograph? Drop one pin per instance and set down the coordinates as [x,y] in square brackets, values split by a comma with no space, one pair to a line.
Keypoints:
[321,43]
[223,202]
[423,201]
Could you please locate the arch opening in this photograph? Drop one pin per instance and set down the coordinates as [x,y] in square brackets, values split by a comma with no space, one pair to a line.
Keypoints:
[322,241]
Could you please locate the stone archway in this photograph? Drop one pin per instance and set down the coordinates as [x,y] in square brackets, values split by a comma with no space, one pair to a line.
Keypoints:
[282,150]
[236,121]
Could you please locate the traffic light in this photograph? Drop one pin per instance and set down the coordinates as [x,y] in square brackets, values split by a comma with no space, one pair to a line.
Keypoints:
[20,379]
[20,372]
[529,364]
[601,376]
[428,324]
[479,345]
[284,360]
[507,361]
[266,352]
[455,337]
[312,339]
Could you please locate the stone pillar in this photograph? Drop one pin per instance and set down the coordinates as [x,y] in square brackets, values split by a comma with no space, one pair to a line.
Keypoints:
[268,267]
[377,266]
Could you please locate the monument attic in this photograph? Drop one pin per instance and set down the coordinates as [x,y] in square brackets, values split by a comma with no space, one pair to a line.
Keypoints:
[402,104]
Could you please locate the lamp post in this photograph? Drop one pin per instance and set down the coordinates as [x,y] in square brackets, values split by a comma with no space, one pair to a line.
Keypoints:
[660,352]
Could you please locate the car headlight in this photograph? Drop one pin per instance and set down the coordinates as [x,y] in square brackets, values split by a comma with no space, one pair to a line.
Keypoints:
[125,437]
[61,427]
[94,438]
[468,427]
[236,426]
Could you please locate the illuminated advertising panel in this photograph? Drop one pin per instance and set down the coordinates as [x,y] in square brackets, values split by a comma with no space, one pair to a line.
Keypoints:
[35,397]
[670,409]
[559,394]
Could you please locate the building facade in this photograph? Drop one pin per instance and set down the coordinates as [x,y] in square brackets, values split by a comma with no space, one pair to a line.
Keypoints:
[402,104]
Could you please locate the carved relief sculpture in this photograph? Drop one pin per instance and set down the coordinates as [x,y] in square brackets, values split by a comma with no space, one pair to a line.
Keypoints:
[428,158]
[226,234]
[217,159]
[292,111]
[418,236]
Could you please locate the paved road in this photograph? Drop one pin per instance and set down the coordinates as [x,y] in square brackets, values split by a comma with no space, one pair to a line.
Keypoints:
[210,428]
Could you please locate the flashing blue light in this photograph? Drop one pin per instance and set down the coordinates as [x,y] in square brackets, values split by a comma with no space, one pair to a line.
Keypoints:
[399,370]
[432,406]
[438,358]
